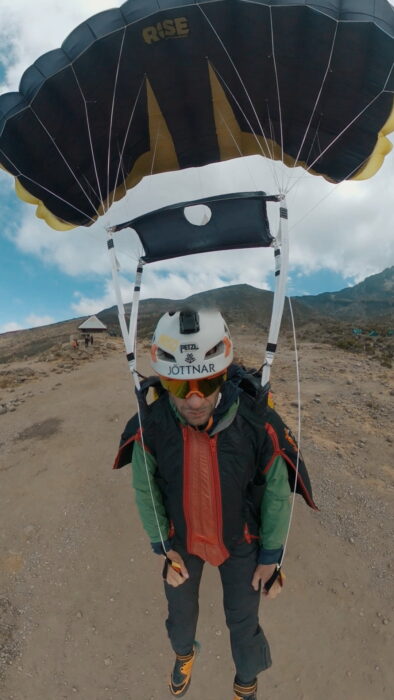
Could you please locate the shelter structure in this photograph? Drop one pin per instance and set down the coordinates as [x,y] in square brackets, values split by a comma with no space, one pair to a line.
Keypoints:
[92,325]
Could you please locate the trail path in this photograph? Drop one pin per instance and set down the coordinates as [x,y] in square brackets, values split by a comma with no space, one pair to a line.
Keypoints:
[81,595]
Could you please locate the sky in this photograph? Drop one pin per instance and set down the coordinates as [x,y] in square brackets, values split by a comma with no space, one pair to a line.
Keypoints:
[338,234]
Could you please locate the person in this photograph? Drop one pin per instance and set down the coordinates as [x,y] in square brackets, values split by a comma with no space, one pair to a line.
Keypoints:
[213,467]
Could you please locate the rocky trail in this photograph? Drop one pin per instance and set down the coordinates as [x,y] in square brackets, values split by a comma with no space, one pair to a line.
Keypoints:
[81,599]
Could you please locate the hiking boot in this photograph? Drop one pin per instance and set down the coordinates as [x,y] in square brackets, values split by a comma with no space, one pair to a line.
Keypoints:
[182,672]
[245,692]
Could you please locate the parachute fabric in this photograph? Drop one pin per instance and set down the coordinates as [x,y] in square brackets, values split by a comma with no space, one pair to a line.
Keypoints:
[156,86]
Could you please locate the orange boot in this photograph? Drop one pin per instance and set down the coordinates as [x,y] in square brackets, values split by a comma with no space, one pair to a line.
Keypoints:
[245,692]
[182,672]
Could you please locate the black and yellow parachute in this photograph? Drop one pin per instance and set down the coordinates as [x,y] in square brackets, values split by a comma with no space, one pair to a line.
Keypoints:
[155,86]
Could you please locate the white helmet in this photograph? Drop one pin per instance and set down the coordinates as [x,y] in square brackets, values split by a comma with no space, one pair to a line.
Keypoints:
[191,344]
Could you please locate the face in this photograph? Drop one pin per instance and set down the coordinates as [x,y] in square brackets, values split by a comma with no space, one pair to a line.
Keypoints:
[196,410]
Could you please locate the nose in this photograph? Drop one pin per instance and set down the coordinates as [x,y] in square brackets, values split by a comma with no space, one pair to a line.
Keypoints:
[195,401]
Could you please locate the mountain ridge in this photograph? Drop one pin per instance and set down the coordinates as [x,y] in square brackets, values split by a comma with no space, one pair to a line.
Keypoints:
[240,304]
[371,299]
[330,315]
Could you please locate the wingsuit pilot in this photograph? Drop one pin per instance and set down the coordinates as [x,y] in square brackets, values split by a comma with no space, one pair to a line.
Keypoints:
[212,473]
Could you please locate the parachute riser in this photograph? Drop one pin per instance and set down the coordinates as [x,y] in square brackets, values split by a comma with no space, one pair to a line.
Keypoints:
[128,333]
[129,338]
[281,254]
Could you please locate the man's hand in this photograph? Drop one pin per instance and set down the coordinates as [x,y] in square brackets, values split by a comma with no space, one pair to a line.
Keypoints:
[176,575]
[262,574]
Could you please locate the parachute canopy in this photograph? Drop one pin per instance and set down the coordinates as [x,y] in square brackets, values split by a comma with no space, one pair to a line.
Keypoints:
[155,86]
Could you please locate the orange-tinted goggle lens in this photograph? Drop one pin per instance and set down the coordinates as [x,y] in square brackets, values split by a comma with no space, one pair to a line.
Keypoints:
[182,387]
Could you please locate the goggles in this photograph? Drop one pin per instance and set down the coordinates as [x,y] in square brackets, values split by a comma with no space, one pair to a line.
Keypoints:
[183,388]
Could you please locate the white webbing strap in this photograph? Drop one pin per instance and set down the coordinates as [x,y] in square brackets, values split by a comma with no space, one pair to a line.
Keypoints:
[118,295]
[281,254]
[129,339]
[135,303]
[128,333]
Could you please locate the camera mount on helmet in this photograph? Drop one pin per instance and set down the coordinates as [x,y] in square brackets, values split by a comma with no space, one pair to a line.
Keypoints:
[189,321]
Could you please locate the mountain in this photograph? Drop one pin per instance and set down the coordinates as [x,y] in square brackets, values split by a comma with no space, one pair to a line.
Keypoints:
[32,342]
[241,304]
[329,317]
[367,302]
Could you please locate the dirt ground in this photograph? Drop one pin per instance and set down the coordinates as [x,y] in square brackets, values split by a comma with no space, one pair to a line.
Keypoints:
[81,599]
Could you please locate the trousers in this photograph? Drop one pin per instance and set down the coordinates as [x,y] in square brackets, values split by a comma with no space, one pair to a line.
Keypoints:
[249,646]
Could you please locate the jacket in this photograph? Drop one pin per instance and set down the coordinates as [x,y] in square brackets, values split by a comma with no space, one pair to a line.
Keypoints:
[211,490]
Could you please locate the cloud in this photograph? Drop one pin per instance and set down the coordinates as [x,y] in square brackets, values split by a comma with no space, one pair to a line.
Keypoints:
[29,29]
[10,326]
[31,321]
[343,228]
[350,231]
[180,279]
[76,252]
[87,306]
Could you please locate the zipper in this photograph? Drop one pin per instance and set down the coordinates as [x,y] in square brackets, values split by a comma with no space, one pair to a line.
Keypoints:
[217,491]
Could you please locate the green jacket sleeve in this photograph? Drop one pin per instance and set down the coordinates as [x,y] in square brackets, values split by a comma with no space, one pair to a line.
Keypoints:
[147,495]
[275,511]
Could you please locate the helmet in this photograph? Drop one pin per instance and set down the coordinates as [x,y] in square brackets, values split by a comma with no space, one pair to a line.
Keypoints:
[191,344]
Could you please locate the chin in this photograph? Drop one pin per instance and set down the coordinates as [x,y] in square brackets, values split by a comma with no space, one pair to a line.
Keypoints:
[195,422]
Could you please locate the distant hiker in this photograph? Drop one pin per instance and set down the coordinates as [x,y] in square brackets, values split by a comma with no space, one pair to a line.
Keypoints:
[213,467]
[74,344]
[86,341]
